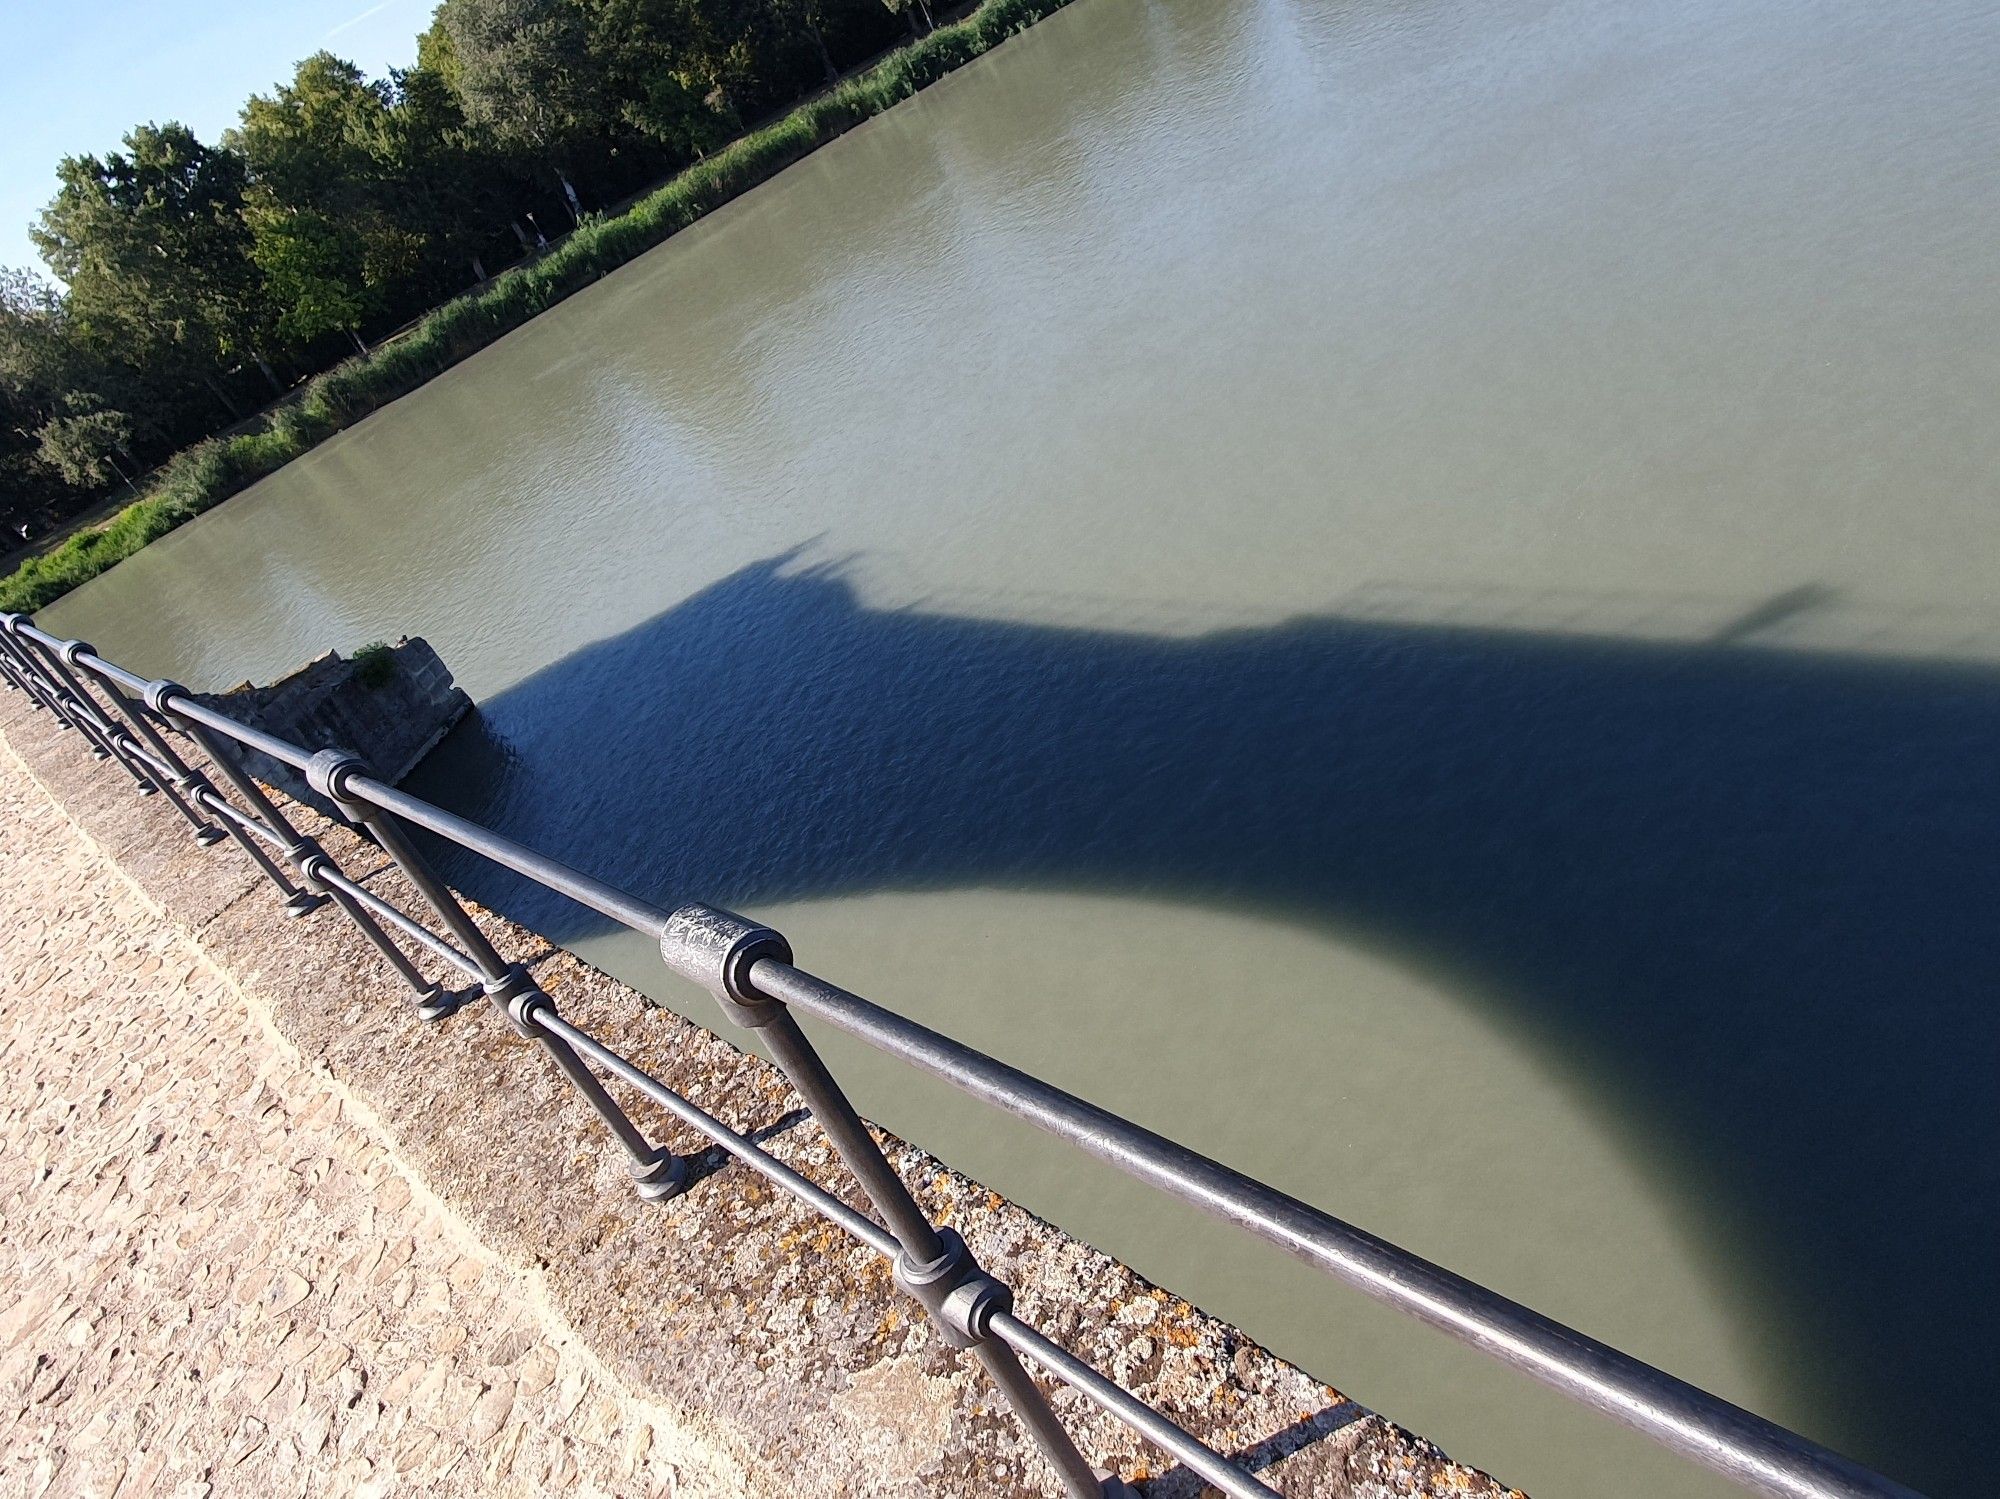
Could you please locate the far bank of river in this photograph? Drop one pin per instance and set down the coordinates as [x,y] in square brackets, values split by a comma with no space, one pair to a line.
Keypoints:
[1400,594]
[204,474]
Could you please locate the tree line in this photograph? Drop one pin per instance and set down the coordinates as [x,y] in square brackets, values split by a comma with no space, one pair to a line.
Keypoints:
[200,280]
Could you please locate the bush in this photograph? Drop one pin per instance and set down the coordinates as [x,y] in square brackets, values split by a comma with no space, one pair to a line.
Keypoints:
[204,475]
[374,664]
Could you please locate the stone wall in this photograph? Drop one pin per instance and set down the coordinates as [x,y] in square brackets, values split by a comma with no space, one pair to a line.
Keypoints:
[388,704]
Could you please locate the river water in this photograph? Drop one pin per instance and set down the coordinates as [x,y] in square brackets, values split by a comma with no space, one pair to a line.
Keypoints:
[1405,592]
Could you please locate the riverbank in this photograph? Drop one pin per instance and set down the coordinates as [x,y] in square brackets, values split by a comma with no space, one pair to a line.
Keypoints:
[761,1344]
[202,476]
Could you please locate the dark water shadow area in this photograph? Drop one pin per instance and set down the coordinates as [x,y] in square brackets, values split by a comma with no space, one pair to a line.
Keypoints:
[1750,891]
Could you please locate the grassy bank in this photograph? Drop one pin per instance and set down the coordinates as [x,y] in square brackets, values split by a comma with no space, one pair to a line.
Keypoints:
[201,477]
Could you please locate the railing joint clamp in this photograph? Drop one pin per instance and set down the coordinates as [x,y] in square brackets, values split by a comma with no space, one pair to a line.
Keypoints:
[516,995]
[159,695]
[962,1299]
[309,858]
[329,773]
[717,949]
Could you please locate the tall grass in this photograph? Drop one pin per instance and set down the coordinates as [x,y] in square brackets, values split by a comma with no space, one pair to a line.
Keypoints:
[202,476]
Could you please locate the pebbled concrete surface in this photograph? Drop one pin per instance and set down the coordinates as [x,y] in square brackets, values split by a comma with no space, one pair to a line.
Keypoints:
[218,1280]
[339,1251]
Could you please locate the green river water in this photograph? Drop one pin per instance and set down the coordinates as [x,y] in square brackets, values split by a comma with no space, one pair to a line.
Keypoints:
[1404,592]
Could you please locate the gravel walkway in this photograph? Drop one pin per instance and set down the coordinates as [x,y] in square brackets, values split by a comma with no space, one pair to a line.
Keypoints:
[216,1280]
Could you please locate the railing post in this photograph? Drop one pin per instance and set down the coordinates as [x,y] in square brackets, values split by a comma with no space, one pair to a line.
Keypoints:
[12,678]
[198,787]
[434,1002]
[39,692]
[184,795]
[37,677]
[68,713]
[87,714]
[717,950]
[656,1171]
[193,785]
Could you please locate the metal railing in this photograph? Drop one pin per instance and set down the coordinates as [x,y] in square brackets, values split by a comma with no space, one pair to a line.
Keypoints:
[749,968]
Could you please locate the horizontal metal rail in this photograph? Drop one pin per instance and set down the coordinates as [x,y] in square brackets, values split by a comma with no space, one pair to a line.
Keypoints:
[215,802]
[1746,1447]
[408,925]
[750,970]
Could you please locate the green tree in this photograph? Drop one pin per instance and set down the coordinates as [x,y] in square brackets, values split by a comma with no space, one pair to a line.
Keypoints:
[314,273]
[317,138]
[681,116]
[810,17]
[364,195]
[37,354]
[35,365]
[154,248]
[452,190]
[777,49]
[437,55]
[528,78]
[668,64]
[312,201]
[84,445]
[68,411]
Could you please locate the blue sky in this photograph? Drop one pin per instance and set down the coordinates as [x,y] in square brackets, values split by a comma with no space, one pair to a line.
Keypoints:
[75,75]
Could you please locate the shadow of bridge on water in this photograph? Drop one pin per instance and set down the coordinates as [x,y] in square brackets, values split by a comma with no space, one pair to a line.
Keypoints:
[1753,889]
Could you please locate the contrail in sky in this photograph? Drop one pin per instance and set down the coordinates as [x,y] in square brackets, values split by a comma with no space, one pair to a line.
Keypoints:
[357,20]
